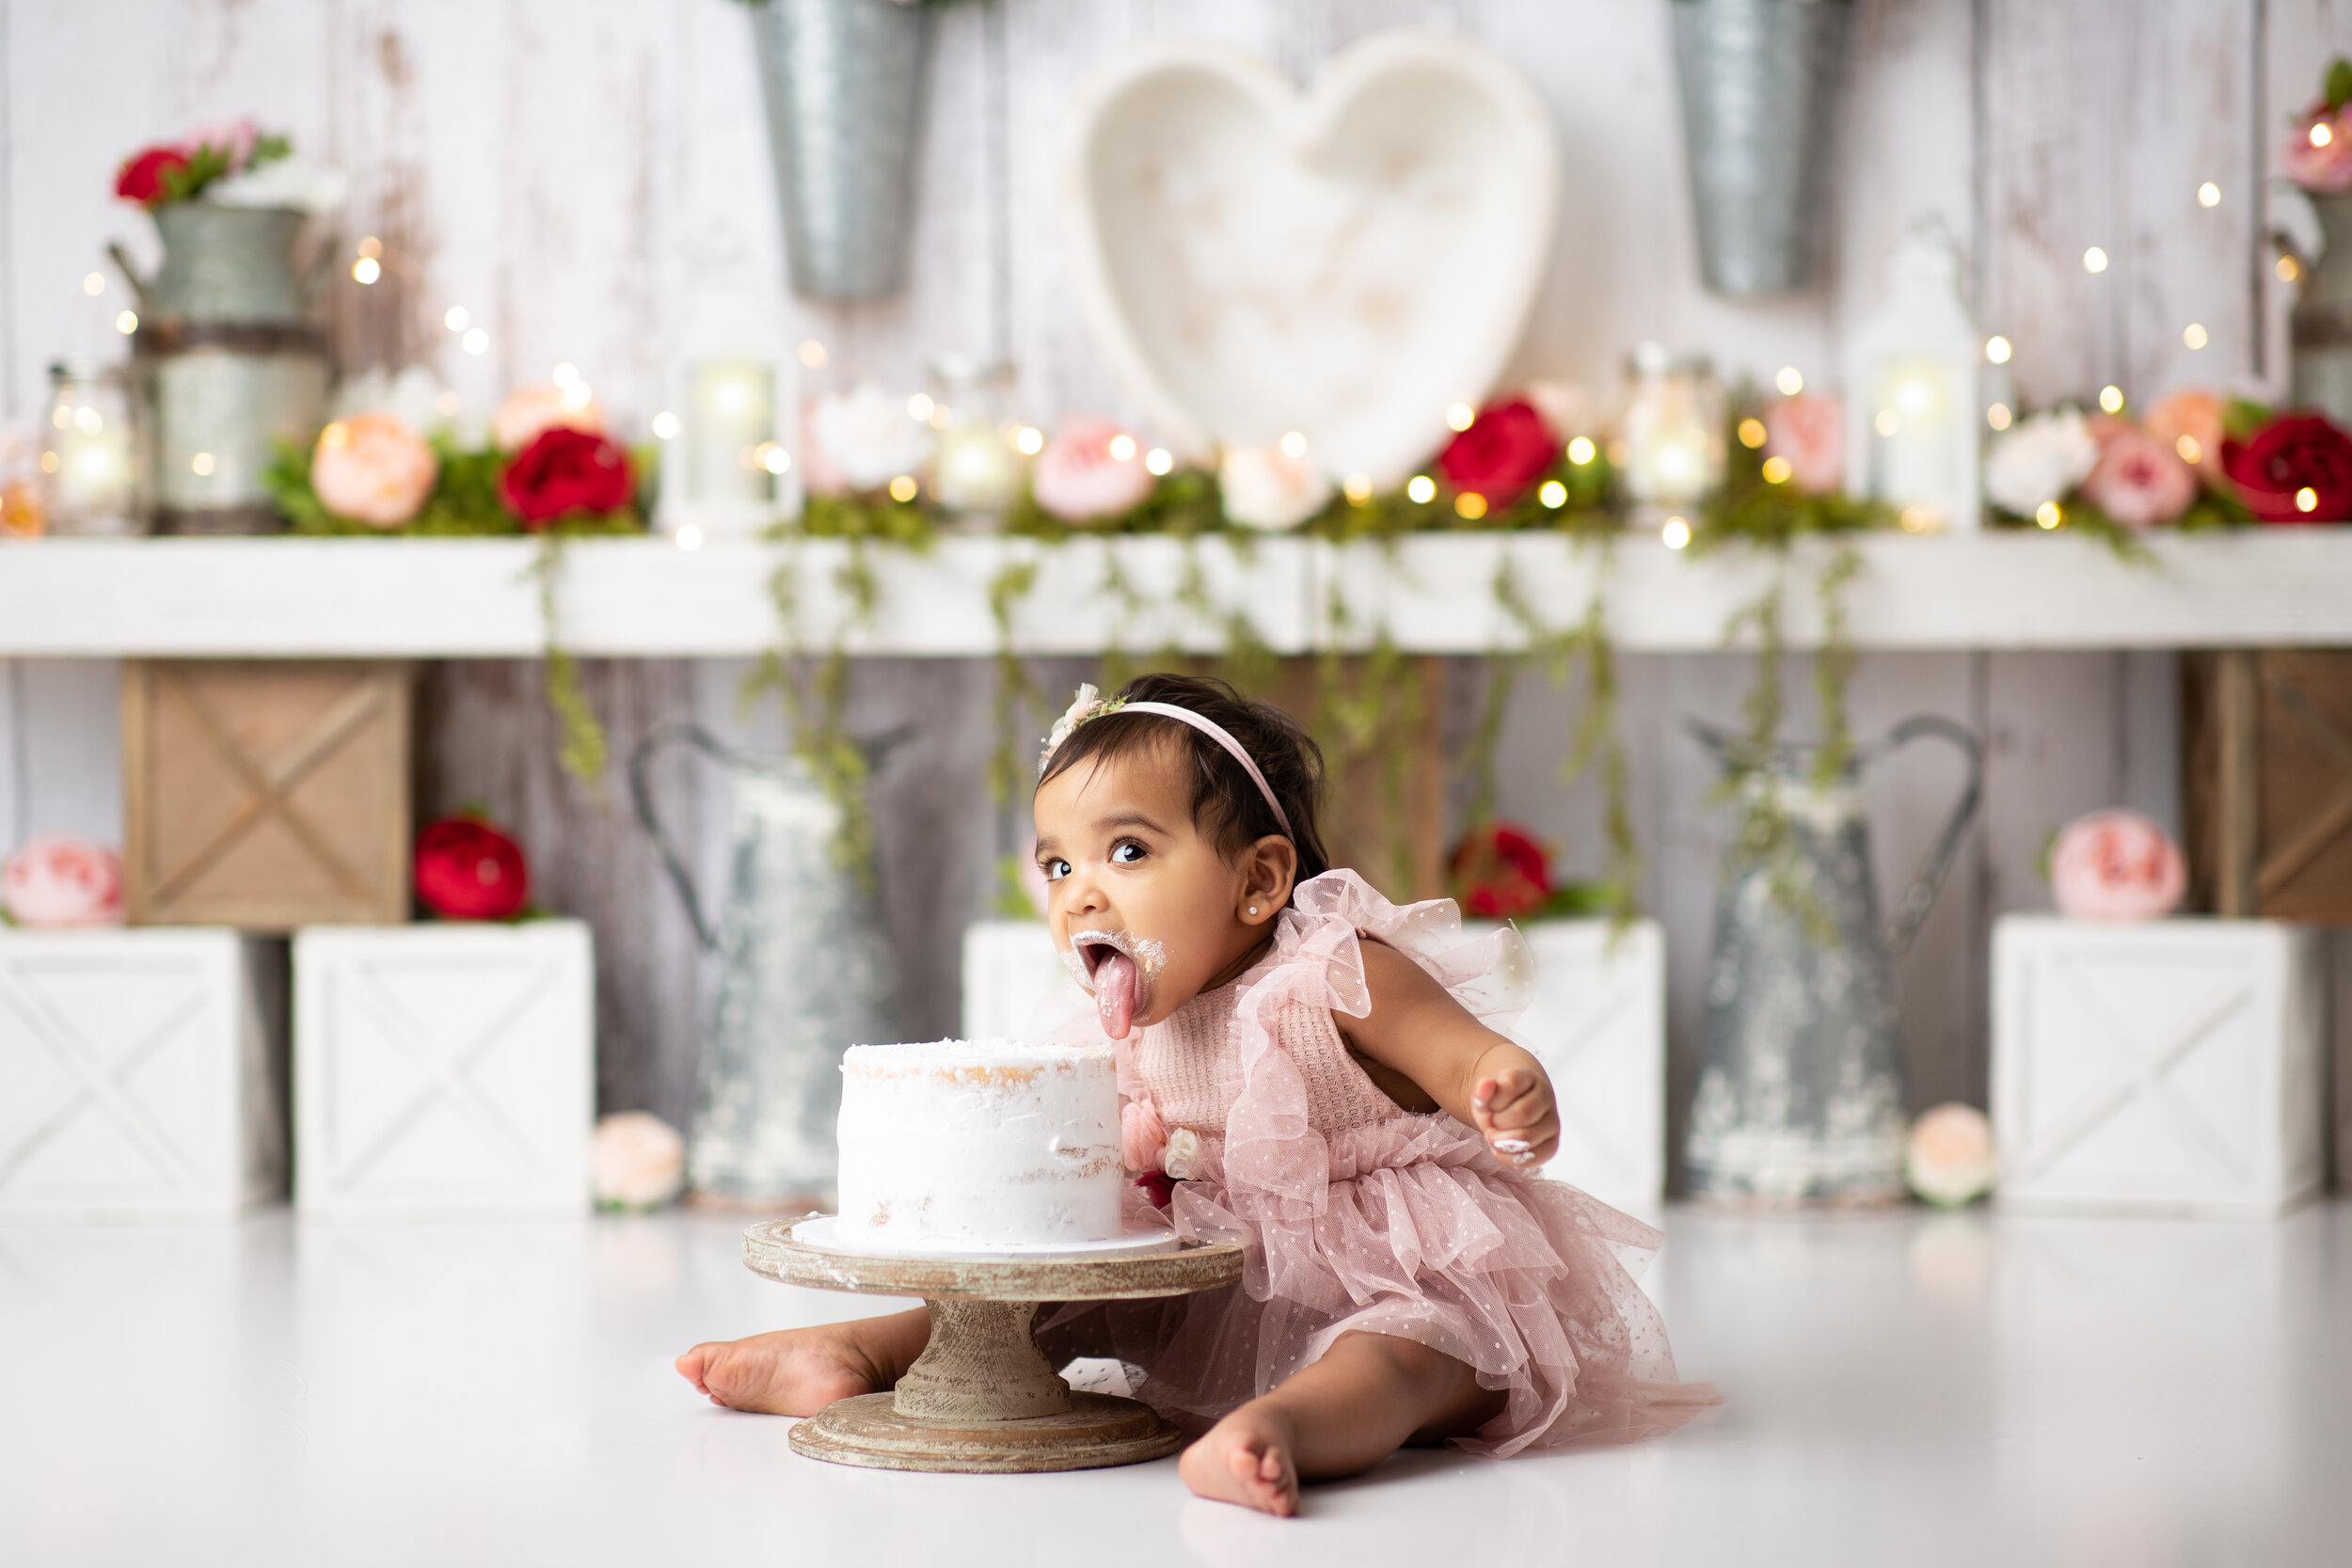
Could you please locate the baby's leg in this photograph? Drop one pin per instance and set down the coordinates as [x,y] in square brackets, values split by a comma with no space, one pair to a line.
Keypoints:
[1369,1395]
[798,1371]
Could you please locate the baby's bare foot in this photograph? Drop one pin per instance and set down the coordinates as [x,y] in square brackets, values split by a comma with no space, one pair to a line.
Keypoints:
[795,1372]
[1246,1459]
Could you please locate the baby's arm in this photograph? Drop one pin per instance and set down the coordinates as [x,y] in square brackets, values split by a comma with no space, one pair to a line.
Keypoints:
[1480,1077]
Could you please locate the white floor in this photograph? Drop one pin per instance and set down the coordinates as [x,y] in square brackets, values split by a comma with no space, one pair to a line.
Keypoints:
[1905,1390]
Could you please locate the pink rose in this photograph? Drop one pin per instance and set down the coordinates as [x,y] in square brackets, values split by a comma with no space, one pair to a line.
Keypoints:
[1082,477]
[372,468]
[528,410]
[1948,1157]
[2323,169]
[636,1161]
[1809,432]
[1142,1136]
[1566,408]
[2139,481]
[233,140]
[2115,866]
[2194,415]
[58,880]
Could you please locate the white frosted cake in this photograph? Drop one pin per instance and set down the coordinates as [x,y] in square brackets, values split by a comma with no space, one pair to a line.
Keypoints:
[967,1146]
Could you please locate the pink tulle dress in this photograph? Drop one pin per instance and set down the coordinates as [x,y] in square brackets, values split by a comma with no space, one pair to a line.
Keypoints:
[1360,1216]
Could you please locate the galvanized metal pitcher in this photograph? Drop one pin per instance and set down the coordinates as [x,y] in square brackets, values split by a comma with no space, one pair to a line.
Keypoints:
[1800,1095]
[804,973]
[1760,83]
[843,85]
[230,358]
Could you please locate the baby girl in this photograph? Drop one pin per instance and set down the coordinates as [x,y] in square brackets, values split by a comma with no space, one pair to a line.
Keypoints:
[1304,1069]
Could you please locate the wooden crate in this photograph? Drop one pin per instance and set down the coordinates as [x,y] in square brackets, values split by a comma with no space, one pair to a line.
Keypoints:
[265,795]
[2266,738]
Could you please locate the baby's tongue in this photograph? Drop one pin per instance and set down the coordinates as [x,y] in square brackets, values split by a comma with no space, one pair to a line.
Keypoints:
[1114,994]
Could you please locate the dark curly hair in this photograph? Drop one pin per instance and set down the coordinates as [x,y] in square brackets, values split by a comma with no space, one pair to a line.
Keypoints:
[1225,800]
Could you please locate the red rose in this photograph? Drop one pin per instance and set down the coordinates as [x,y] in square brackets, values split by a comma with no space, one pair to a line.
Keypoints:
[141,178]
[566,471]
[1505,450]
[1500,871]
[2293,454]
[469,870]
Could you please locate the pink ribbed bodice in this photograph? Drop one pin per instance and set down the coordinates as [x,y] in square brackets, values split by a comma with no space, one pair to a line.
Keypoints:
[1189,1065]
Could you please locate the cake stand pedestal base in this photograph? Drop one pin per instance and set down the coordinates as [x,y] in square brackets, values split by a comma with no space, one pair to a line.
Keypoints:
[983,1397]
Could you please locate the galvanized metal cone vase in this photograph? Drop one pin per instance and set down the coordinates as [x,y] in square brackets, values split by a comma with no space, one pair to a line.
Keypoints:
[2321,327]
[1759,83]
[231,362]
[843,85]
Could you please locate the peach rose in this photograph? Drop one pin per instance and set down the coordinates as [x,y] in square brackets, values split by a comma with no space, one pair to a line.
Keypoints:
[2196,414]
[58,880]
[528,410]
[637,1161]
[1142,1136]
[1948,1157]
[1081,475]
[1810,430]
[2115,866]
[372,468]
[2140,479]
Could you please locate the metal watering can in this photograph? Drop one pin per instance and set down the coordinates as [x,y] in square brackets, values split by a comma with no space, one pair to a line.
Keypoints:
[1800,1094]
[804,973]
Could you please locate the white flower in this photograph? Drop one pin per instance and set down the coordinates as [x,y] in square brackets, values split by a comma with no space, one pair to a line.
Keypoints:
[868,438]
[1264,488]
[1087,704]
[288,183]
[2040,460]
[1182,1159]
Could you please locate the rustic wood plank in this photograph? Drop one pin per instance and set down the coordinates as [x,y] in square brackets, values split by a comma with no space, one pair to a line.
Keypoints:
[491,744]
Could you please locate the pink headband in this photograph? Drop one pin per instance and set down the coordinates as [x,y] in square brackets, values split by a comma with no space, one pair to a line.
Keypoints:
[1215,732]
[1089,706]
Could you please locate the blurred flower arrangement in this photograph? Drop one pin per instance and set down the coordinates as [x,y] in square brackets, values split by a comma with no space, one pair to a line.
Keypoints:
[2318,156]
[59,881]
[192,167]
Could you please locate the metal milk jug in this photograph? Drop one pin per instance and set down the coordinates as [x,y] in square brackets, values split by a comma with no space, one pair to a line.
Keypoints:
[1800,1094]
[803,972]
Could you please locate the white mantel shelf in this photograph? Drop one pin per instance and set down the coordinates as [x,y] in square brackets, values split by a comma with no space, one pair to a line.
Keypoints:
[283,598]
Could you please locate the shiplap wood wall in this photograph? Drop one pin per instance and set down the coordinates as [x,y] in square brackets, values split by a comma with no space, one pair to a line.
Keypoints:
[553,166]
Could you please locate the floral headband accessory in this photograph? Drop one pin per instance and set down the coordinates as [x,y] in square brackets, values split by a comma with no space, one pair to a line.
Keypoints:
[1090,704]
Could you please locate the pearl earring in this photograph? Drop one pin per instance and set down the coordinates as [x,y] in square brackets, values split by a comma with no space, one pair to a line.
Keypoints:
[1253,909]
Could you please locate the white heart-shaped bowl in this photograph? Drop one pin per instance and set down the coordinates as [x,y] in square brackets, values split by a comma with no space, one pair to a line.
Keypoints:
[1347,263]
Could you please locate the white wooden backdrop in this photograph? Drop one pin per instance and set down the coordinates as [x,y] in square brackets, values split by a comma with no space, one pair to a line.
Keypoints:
[551,164]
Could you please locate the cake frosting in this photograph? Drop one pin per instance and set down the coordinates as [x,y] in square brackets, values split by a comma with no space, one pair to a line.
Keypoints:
[971,1145]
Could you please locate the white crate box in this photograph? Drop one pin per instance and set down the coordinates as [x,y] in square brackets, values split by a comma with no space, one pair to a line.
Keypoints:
[443,1068]
[2171,1066]
[1597,1019]
[1009,968]
[141,1074]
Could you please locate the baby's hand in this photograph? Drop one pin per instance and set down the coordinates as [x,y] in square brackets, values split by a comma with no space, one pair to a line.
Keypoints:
[1514,1109]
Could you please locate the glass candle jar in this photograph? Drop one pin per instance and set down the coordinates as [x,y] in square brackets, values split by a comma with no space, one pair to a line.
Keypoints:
[976,467]
[91,452]
[1674,428]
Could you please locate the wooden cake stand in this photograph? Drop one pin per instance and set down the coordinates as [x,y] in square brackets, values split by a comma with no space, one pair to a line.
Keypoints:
[983,1398]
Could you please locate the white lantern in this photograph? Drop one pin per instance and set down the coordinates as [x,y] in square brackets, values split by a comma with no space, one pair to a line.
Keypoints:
[1912,395]
[1674,429]
[727,469]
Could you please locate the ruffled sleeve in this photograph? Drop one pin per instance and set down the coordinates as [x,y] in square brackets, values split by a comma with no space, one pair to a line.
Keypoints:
[1270,1143]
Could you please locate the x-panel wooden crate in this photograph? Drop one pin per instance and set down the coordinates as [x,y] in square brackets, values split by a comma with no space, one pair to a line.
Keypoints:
[265,795]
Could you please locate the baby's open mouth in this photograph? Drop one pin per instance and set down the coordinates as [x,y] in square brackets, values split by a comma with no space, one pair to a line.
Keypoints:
[1109,966]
